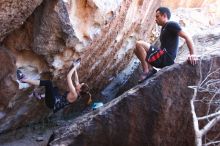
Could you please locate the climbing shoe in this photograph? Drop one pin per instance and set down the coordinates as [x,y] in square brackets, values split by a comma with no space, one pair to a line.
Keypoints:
[145,76]
[20,75]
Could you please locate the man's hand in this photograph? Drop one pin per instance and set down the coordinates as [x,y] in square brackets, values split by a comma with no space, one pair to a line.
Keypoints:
[192,59]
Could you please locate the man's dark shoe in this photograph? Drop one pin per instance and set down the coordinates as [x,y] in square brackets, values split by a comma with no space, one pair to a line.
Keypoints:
[145,76]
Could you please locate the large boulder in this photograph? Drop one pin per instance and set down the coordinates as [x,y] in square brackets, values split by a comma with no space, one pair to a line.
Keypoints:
[156,112]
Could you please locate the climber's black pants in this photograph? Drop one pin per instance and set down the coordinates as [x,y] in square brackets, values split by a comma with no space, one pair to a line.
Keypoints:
[50,92]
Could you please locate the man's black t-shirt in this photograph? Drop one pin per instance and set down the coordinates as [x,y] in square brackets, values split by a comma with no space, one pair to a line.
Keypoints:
[169,38]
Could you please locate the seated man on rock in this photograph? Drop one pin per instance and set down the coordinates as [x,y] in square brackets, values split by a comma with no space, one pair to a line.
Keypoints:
[166,54]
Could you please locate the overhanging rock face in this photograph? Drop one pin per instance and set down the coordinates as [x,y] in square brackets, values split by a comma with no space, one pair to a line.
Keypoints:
[57,33]
[154,113]
[48,35]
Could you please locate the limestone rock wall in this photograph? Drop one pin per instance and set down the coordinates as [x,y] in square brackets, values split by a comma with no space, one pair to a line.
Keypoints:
[50,34]
[112,49]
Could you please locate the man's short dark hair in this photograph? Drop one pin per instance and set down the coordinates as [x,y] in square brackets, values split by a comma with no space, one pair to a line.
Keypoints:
[164,10]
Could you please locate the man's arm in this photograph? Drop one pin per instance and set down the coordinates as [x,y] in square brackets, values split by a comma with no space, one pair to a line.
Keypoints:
[70,83]
[192,58]
[76,78]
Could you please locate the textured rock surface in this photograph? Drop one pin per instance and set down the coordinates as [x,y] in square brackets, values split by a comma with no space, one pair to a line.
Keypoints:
[156,112]
[13,14]
[8,85]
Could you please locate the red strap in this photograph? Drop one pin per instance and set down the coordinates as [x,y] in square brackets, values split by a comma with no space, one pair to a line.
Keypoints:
[156,56]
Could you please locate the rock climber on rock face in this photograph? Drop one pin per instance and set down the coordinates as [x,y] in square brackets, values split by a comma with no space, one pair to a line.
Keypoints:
[53,99]
[166,54]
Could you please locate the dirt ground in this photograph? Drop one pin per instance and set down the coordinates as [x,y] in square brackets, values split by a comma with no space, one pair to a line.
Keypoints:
[33,135]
